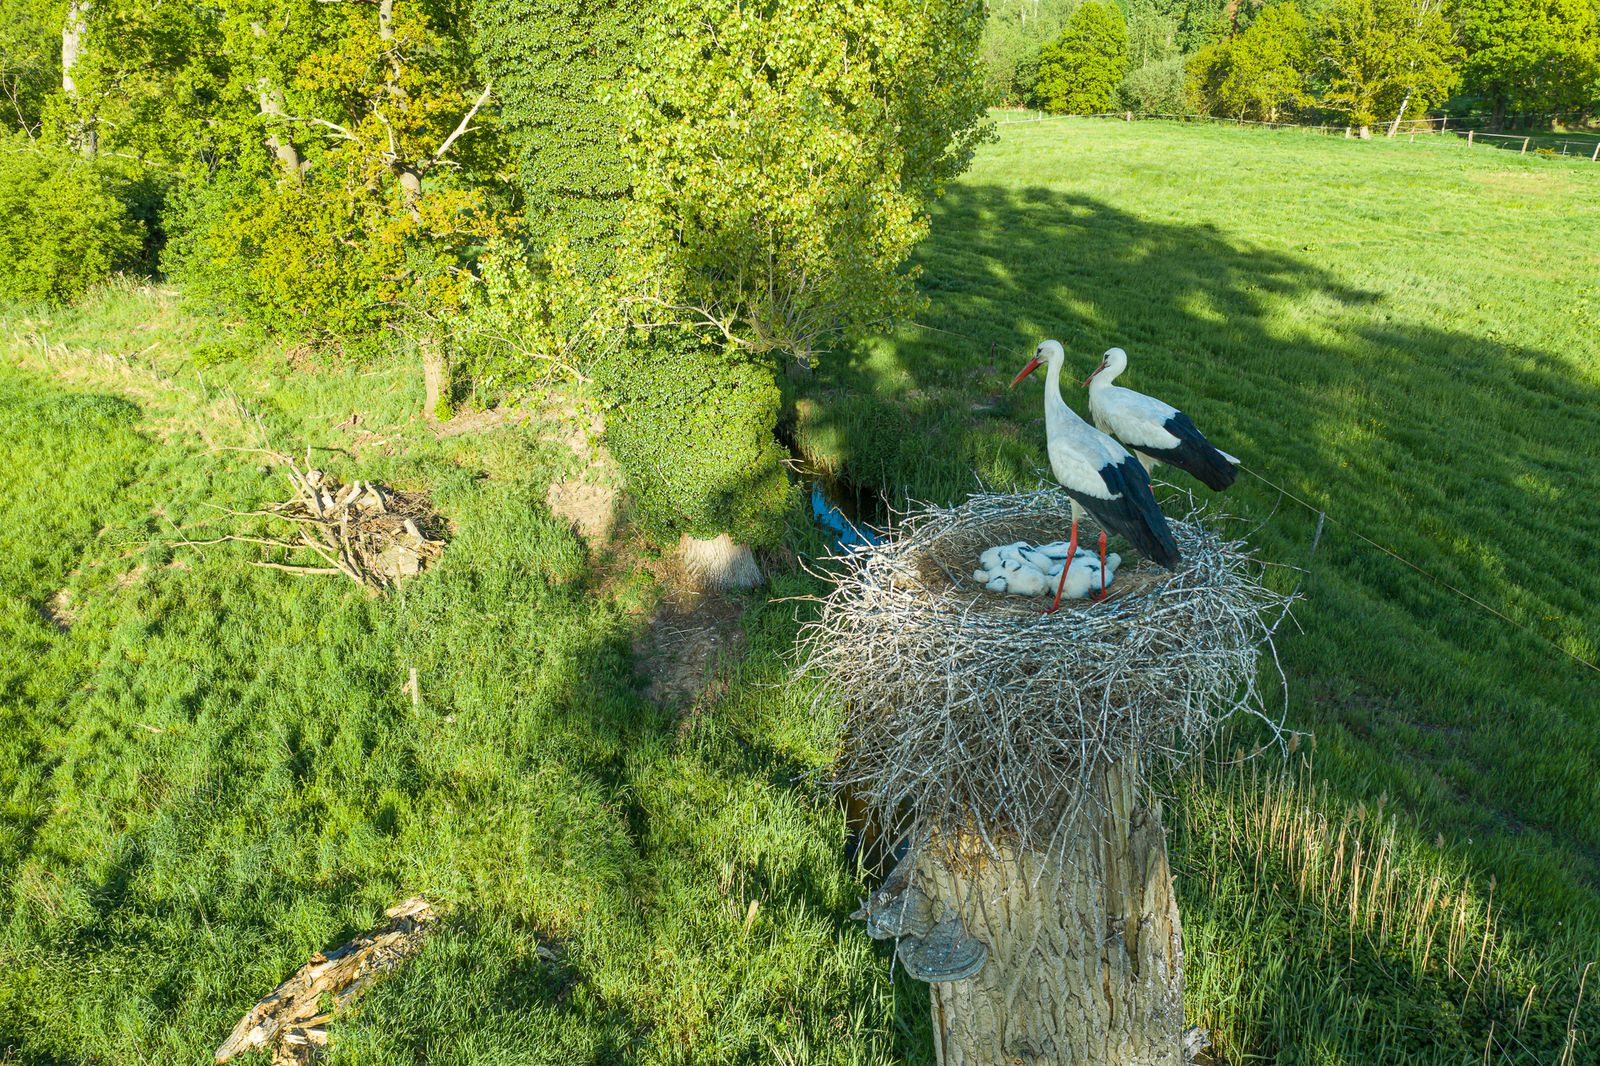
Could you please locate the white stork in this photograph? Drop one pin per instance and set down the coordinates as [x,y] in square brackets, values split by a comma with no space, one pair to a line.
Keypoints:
[1156,431]
[1098,474]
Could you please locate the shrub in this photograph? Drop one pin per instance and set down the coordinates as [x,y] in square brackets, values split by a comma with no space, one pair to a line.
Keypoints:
[1079,71]
[290,259]
[62,225]
[691,427]
[1155,88]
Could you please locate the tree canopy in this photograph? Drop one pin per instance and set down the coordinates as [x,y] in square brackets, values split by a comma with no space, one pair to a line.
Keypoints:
[1080,70]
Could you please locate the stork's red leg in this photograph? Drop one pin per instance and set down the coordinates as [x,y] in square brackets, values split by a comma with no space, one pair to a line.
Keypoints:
[1102,564]
[1066,567]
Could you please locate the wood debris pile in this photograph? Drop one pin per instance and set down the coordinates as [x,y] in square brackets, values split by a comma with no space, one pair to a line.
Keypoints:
[292,1020]
[373,535]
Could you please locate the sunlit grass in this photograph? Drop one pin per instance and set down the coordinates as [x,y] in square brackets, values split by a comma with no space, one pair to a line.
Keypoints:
[1404,336]
[209,771]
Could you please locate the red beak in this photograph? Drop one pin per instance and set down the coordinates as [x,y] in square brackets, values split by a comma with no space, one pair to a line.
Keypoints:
[1090,378]
[1033,364]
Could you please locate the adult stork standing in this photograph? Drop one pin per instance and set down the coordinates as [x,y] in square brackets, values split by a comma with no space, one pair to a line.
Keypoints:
[1156,431]
[1099,475]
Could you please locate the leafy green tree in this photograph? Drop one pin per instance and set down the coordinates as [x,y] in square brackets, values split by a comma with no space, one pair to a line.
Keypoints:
[1152,37]
[783,160]
[1155,88]
[1383,57]
[1013,34]
[1260,74]
[1079,71]
[1529,53]
[361,156]
[63,225]
[30,62]
[777,166]
[692,429]
[559,67]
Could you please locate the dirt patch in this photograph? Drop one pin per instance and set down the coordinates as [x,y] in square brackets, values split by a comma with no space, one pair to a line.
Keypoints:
[591,499]
[479,421]
[691,639]
[589,506]
[59,612]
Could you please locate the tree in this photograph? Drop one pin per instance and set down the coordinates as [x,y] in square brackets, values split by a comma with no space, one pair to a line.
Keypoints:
[783,160]
[773,168]
[1529,53]
[62,225]
[1382,57]
[1259,74]
[30,62]
[1152,37]
[1155,88]
[1013,33]
[1079,72]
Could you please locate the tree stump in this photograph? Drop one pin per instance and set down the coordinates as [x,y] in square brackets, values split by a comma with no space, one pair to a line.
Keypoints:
[1085,948]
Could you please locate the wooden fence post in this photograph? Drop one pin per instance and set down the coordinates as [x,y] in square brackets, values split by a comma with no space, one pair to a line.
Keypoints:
[1596,157]
[1525,141]
[1443,123]
[1469,138]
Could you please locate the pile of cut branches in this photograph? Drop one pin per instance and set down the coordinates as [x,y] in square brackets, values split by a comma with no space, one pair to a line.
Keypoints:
[373,535]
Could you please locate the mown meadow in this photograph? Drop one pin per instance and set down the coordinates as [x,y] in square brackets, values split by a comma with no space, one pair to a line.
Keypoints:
[209,771]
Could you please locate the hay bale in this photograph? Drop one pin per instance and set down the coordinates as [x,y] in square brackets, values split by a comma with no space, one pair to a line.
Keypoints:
[969,709]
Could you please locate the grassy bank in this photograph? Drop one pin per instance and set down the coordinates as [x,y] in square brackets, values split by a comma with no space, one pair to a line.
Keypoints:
[209,771]
[1405,337]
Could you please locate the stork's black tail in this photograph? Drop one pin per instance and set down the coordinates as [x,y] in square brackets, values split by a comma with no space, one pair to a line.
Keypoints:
[1133,513]
[1195,455]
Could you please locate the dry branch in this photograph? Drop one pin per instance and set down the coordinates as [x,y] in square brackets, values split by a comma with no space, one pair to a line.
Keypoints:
[372,535]
[292,1019]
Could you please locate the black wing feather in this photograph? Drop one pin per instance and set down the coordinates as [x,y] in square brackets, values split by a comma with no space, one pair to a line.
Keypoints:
[1132,514]
[1194,454]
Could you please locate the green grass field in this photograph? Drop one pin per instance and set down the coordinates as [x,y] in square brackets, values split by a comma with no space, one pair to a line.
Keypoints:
[209,771]
[1405,335]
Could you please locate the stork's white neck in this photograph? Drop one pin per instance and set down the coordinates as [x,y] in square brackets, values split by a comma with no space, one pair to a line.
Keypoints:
[1115,363]
[1057,415]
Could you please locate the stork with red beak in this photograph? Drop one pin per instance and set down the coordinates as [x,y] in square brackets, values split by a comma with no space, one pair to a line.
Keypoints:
[1156,431]
[1099,475]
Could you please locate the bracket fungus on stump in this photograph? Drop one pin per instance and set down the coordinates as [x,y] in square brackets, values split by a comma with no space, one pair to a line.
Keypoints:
[1006,754]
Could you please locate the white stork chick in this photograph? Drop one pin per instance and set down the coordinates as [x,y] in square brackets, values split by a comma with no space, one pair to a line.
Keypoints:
[1083,579]
[1021,581]
[991,558]
[1156,431]
[1098,474]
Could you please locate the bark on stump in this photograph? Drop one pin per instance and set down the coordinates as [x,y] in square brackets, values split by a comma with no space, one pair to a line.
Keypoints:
[1085,948]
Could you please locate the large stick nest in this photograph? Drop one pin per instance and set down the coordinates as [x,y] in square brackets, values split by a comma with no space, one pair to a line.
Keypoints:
[968,711]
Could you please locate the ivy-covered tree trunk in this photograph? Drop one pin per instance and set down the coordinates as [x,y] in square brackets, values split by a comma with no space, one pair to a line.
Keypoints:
[1085,946]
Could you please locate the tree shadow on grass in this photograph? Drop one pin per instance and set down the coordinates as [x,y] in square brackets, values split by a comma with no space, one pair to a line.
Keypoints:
[1472,457]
